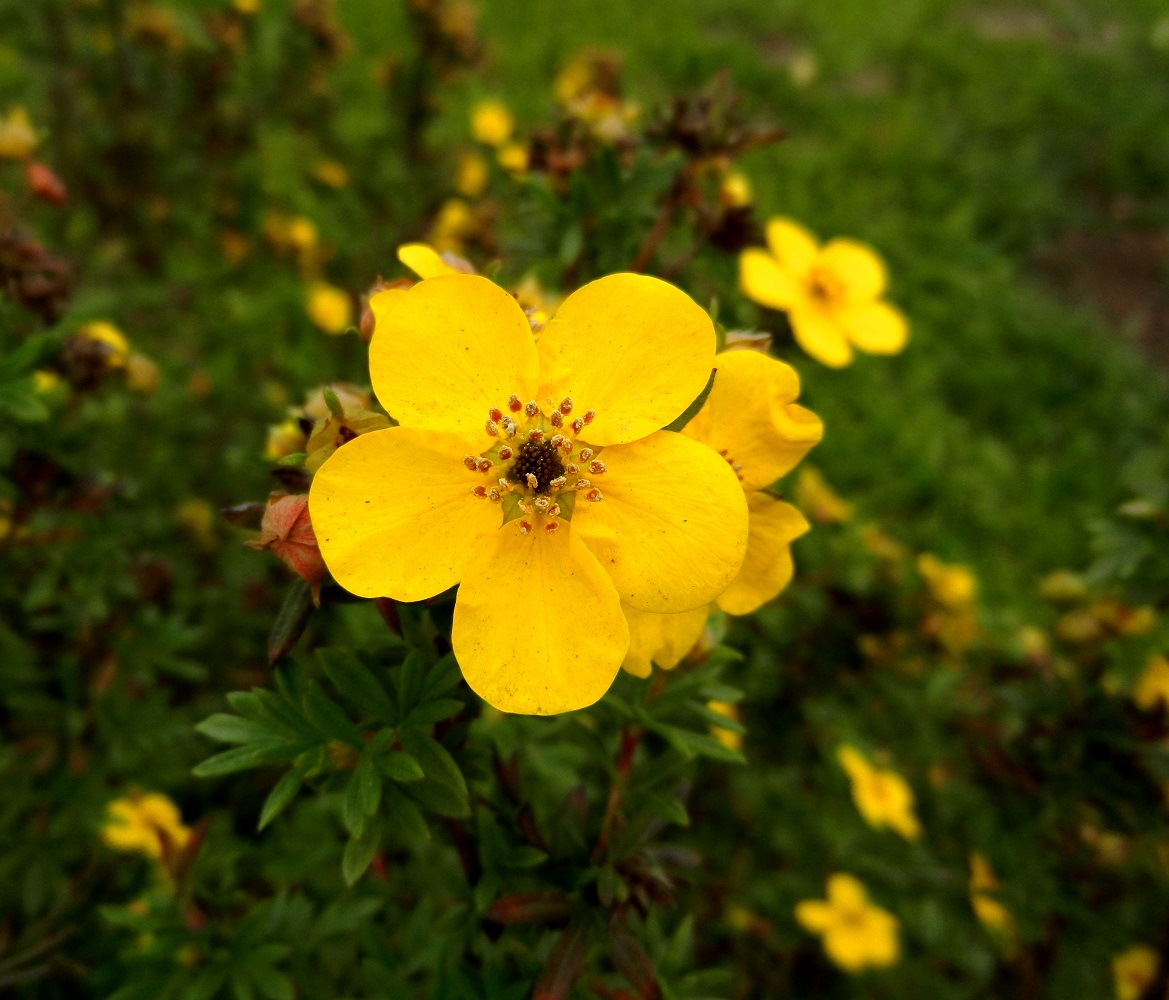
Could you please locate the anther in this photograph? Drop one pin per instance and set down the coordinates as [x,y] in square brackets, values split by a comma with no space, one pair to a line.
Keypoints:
[597,467]
[542,504]
[566,405]
[556,419]
[558,483]
[586,454]
[525,528]
[577,425]
[554,510]
[737,468]
[505,452]
[531,409]
[589,416]
[582,484]
[495,414]
[594,496]
[532,481]
[509,427]
[504,485]
[514,403]
[552,526]
[483,464]
[527,508]
[480,492]
[536,436]
[559,441]
[494,495]
[492,428]
[571,468]
[471,462]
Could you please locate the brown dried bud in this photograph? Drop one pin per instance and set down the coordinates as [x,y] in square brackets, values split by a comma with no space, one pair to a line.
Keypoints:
[288,532]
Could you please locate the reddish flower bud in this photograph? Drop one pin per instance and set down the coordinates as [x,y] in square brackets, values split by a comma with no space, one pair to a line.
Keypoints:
[288,532]
[44,184]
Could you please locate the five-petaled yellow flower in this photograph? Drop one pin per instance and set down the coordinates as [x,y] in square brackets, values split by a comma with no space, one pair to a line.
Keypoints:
[831,293]
[857,934]
[535,476]
[1133,970]
[751,418]
[145,823]
[883,798]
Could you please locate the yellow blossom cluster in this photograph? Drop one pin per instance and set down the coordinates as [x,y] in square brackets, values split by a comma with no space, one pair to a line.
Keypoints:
[953,616]
[857,934]
[882,797]
[148,823]
[588,90]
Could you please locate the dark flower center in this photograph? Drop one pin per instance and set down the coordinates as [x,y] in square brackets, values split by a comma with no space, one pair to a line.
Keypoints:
[540,460]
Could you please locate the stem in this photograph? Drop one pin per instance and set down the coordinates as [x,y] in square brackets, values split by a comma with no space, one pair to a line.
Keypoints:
[630,737]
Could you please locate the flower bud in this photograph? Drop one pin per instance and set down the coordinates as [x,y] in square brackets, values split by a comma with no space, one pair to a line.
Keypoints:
[287,531]
[44,184]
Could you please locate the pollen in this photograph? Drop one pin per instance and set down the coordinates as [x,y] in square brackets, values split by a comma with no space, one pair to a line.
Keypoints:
[525,528]
[586,454]
[556,419]
[484,464]
[492,428]
[531,409]
[536,436]
[495,414]
[594,496]
[577,425]
[566,405]
[514,403]
[505,453]
[480,492]
[471,462]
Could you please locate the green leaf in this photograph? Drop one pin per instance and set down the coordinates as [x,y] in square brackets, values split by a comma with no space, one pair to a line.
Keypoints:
[442,800]
[400,766]
[443,676]
[430,712]
[362,795]
[234,729]
[688,414]
[356,682]
[359,853]
[328,717]
[410,681]
[667,807]
[283,792]
[332,402]
[404,818]
[20,402]
[436,763]
[249,756]
[290,620]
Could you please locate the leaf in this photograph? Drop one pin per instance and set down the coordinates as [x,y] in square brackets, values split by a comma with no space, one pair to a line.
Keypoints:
[632,962]
[537,906]
[410,681]
[564,965]
[362,795]
[434,759]
[290,620]
[234,729]
[689,413]
[443,676]
[442,800]
[668,808]
[359,853]
[430,712]
[400,766]
[404,818]
[249,756]
[329,718]
[283,792]
[356,682]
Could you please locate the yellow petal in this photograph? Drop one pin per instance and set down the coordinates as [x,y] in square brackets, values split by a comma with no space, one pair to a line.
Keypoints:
[820,337]
[873,327]
[424,260]
[859,272]
[762,280]
[634,349]
[661,639]
[814,915]
[793,246]
[846,892]
[767,567]
[394,515]
[451,349]
[853,762]
[750,415]
[538,628]
[672,528]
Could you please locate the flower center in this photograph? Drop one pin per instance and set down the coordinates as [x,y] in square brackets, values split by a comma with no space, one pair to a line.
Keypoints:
[824,285]
[537,466]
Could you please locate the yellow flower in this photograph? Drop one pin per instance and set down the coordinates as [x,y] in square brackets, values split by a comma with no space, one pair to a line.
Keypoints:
[818,500]
[142,374]
[249,8]
[198,517]
[45,381]
[536,303]
[284,439]
[729,738]
[514,158]
[17,136]
[1062,586]
[330,308]
[953,586]
[832,294]
[302,234]
[334,431]
[453,224]
[1133,970]
[857,934]
[112,337]
[536,477]
[883,798]
[491,122]
[424,261]
[752,420]
[734,191]
[1152,689]
[471,175]
[330,173]
[983,885]
[149,824]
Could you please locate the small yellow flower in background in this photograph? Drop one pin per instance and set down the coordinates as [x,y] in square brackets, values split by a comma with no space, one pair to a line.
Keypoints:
[589,90]
[142,374]
[817,499]
[536,470]
[883,798]
[337,429]
[234,246]
[491,122]
[881,545]
[952,585]
[1133,970]
[149,824]
[734,191]
[45,381]
[1152,688]
[471,175]
[108,334]
[291,234]
[538,305]
[249,8]
[1063,587]
[198,517]
[992,914]
[330,173]
[302,233]
[857,934]
[18,138]
[831,294]
[729,738]
[330,308]
[284,439]
[514,158]
[452,225]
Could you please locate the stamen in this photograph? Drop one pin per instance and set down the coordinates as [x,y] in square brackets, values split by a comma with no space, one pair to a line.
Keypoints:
[590,416]
[531,409]
[495,414]
[509,427]
[558,483]
[514,403]
[577,425]
[525,528]
[566,405]
[505,452]
[504,485]
[480,492]
[552,526]
[737,468]
[483,465]
[597,467]
[536,436]
[582,484]
[527,508]
[586,454]
[492,428]
[556,419]
[542,504]
[471,462]
[532,481]
[494,495]
[594,496]
[554,510]
[559,441]
[572,468]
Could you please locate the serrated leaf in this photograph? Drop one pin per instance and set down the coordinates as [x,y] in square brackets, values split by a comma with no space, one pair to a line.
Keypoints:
[235,729]
[283,792]
[400,766]
[248,756]
[357,683]
[359,853]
